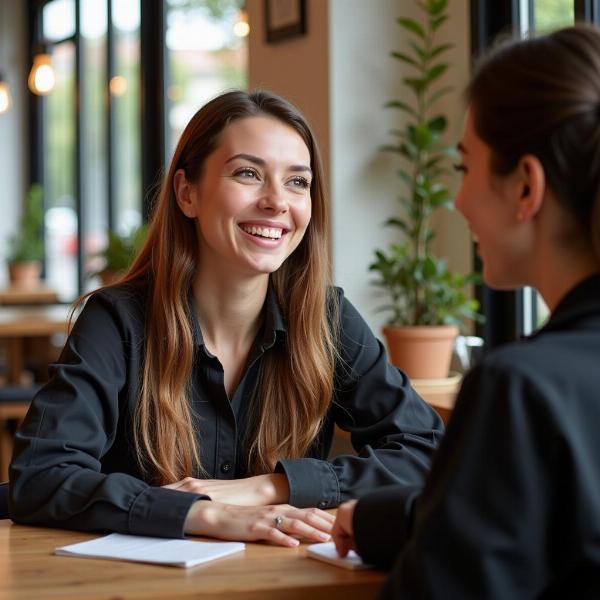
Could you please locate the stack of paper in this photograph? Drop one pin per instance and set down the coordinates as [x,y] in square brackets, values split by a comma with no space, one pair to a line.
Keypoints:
[177,553]
[327,552]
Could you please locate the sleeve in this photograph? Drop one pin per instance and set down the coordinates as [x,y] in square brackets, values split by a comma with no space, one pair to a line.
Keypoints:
[55,476]
[394,432]
[481,526]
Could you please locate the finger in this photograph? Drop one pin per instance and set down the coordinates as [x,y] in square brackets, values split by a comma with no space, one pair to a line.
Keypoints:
[315,518]
[278,537]
[299,529]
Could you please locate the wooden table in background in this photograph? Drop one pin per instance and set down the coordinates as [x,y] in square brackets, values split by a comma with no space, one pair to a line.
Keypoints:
[30,570]
[15,295]
[19,322]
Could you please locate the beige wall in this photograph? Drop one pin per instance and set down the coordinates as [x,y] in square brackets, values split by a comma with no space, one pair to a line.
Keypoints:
[297,68]
[340,74]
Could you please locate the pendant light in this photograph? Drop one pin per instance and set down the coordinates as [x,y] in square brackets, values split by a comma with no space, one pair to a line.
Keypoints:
[5,98]
[41,78]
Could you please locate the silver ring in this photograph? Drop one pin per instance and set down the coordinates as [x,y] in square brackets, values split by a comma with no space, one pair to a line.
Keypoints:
[278,521]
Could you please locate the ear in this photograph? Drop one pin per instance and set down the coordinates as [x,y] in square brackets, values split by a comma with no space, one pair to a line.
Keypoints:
[185,193]
[531,187]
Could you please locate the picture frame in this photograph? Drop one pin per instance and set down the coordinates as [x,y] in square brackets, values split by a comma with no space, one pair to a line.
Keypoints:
[284,19]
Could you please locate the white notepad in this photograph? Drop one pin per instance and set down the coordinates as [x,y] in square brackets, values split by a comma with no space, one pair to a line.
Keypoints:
[327,552]
[176,553]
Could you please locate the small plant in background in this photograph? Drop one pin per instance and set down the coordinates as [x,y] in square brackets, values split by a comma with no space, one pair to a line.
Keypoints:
[27,245]
[421,288]
[120,251]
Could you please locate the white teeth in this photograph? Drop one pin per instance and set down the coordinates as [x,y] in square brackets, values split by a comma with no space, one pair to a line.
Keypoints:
[273,233]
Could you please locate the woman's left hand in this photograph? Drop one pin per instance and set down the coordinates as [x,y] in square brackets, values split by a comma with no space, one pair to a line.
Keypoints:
[260,490]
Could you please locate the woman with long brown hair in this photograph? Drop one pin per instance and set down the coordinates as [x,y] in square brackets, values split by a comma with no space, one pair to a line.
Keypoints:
[217,368]
[511,508]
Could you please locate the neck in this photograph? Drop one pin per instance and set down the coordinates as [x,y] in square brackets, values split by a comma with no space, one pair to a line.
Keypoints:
[560,271]
[229,308]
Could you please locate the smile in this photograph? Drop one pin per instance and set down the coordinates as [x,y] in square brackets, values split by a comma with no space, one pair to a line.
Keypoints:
[272,233]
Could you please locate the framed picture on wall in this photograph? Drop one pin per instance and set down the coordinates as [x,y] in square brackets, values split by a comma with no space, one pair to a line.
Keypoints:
[284,19]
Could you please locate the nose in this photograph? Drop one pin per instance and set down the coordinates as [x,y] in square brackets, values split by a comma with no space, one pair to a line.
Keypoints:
[273,199]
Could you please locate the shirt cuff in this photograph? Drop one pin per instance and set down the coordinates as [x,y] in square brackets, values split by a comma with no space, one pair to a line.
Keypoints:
[161,512]
[312,482]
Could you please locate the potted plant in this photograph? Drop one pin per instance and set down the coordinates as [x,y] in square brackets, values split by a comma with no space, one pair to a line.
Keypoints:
[119,253]
[26,247]
[427,301]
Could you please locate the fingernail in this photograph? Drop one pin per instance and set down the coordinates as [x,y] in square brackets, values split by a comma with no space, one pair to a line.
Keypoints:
[294,543]
[324,536]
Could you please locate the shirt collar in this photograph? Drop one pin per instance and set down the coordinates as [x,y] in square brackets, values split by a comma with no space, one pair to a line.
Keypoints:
[273,325]
[580,301]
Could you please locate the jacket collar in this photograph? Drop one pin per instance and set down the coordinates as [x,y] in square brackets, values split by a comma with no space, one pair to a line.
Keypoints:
[581,301]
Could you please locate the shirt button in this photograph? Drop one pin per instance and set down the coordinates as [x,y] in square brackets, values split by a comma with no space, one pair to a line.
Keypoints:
[225,467]
[322,504]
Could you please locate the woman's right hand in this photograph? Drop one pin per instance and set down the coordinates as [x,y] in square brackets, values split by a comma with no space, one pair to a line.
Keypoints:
[255,523]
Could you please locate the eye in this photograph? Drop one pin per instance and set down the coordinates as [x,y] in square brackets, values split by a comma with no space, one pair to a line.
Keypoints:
[461,168]
[300,182]
[246,173]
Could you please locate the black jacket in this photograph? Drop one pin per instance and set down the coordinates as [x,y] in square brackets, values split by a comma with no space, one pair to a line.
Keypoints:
[74,466]
[511,508]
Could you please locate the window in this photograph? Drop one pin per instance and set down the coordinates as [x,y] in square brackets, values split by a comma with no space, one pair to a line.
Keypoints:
[511,314]
[90,157]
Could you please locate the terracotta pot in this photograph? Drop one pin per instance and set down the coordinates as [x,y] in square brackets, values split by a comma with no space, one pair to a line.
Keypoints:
[422,352]
[25,274]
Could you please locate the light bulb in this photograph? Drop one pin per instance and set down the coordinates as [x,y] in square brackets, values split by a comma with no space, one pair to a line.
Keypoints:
[241,27]
[41,78]
[5,99]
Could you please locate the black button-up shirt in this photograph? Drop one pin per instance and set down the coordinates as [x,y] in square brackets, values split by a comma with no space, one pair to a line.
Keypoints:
[74,464]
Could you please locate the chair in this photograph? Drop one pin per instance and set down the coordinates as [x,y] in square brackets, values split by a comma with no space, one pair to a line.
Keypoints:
[14,402]
[4,500]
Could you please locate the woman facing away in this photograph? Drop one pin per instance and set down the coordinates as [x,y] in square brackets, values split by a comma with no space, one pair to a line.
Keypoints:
[217,368]
[511,508]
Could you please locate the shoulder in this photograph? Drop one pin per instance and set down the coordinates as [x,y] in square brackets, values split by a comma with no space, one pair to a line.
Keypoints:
[124,305]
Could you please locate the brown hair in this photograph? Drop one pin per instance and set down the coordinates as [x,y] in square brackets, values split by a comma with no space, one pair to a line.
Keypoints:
[541,96]
[295,386]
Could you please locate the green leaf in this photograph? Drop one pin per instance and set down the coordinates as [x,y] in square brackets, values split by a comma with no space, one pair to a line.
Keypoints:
[437,6]
[436,72]
[412,26]
[418,50]
[438,22]
[401,106]
[418,85]
[405,58]
[438,124]
[439,50]
[437,95]
[393,222]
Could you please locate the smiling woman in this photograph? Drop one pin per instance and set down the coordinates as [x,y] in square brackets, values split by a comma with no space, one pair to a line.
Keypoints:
[218,367]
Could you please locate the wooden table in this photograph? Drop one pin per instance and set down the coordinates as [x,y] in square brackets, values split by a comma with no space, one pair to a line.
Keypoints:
[30,570]
[19,322]
[16,295]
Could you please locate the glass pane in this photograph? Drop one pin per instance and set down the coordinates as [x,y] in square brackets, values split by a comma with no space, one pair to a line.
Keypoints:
[58,20]
[549,15]
[94,173]
[552,14]
[58,154]
[125,91]
[206,54]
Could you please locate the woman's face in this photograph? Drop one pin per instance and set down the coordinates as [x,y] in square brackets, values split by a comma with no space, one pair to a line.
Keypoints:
[489,203]
[252,202]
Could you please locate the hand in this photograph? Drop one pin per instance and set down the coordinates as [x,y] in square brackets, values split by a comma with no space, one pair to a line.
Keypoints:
[260,490]
[254,523]
[343,531]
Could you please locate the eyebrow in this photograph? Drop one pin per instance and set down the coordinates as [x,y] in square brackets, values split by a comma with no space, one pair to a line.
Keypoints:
[261,162]
[461,148]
